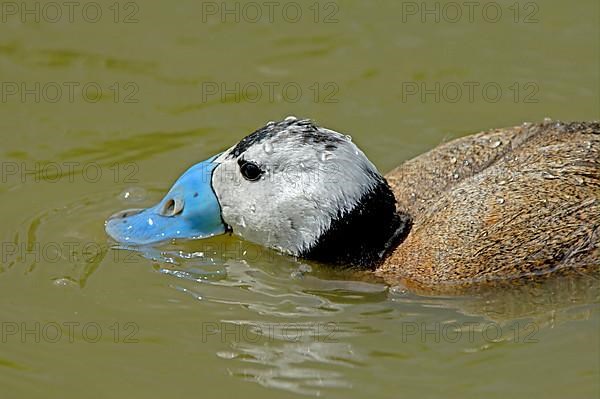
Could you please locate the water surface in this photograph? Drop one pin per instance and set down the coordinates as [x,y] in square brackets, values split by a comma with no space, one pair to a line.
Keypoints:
[224,317]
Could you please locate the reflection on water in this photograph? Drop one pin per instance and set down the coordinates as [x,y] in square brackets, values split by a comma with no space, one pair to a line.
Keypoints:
[310,321]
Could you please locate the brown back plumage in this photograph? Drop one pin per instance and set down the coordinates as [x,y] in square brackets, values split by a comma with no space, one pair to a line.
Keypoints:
[500,204]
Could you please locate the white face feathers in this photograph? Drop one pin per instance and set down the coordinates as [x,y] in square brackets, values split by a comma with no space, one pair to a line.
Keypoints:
[285,184]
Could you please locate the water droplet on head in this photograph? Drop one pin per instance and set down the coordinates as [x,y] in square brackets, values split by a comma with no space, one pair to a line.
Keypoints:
[325,156]
[466,162]
[453,160]
[150,222]
[456,176]
[500,200]
[268,147]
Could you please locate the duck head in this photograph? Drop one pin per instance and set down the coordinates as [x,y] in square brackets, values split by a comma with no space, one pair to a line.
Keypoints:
[292,186]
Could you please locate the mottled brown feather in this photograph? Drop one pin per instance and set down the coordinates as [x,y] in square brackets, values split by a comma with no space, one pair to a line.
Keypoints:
[500,204]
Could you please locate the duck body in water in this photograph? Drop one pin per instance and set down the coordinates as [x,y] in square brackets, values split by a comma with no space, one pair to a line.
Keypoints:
[497,205]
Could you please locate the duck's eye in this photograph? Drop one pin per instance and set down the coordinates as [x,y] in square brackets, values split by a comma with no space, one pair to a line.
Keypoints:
[250,170]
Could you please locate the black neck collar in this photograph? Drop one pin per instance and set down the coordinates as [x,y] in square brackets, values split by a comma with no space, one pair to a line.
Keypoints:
[364,236]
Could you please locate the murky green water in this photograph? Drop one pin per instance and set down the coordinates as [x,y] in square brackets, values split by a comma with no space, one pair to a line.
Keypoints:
[101,116]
